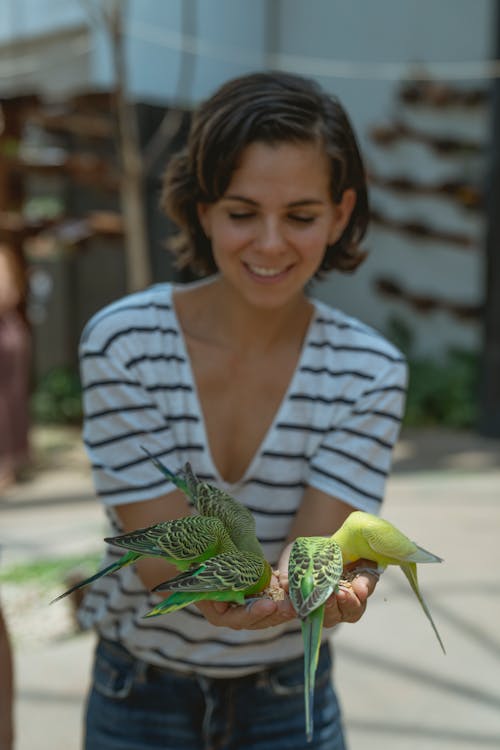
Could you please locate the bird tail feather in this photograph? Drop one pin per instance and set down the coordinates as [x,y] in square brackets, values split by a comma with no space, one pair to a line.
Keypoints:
[422,555]
[127,559]
[312,627]
[180,599]
[410,571]
[175,478]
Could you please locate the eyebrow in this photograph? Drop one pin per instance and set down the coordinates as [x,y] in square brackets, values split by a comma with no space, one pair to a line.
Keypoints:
[293,204]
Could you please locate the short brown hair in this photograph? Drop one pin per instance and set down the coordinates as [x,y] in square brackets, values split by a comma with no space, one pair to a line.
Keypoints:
[270,108]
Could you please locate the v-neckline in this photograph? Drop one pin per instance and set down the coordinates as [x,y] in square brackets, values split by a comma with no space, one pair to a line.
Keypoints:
[211,464]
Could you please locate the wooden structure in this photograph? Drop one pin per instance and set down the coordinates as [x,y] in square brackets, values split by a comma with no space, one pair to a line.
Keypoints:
[60,206]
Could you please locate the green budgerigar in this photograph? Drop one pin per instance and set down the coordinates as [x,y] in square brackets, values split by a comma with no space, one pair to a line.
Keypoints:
[209,500]
[365,536]
[182,542]
[229,577]
[314,570]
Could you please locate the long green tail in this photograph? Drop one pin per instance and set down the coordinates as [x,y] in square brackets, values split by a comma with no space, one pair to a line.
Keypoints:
[410,571]
[127,559]
[312,627]
[180,599]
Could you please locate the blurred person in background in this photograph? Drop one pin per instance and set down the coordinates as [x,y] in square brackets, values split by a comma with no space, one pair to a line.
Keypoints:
[287,403]
[6,688]
[15,358]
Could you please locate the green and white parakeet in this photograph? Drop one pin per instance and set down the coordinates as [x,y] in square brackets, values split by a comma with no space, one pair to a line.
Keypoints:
[229,577]
[181,542]
[314,570]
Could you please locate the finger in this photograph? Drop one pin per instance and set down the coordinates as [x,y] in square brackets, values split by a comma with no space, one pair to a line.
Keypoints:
[333,614]
[263,616]
[283,581]
[364,585]
[244,617]
[351,607]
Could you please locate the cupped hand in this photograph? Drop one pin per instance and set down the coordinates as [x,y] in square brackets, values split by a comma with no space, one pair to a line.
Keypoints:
[349,603]
[257,613]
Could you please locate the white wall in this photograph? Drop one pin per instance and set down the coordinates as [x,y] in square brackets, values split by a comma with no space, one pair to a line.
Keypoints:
[399,31]
[226,29]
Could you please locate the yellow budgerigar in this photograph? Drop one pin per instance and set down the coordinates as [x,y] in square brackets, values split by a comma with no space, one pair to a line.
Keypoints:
[365,536]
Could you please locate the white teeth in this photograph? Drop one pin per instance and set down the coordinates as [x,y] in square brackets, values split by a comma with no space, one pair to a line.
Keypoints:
[259,271]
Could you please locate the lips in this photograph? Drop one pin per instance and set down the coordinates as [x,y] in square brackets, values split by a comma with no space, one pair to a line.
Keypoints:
[266,272]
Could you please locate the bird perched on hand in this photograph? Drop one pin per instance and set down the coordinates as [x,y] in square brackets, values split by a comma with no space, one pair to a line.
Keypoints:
[229,577]
[182,542]
[365,536]
[314,570]
[209,500]
[232,576]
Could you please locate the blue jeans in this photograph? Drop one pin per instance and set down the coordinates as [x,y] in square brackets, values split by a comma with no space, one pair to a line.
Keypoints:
[136,706]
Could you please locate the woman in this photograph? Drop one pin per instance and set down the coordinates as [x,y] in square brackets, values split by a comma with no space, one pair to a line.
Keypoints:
[290,405]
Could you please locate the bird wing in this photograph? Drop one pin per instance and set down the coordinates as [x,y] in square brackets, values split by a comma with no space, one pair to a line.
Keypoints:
[236,517]
[387,541]
[180,538]
[236,571]
[144,540]
[314,570]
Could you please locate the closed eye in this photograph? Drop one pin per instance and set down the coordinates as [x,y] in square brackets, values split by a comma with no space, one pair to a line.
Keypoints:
[302,219]
[241,215]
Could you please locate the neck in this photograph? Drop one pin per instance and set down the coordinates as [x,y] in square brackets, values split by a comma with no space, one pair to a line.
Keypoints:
[214,312]
[250,328]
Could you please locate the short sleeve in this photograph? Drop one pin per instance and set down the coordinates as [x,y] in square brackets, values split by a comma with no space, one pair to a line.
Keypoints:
[120,416]
[353,460]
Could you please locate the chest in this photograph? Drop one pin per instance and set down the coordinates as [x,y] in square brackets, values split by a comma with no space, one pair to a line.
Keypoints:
[239,398]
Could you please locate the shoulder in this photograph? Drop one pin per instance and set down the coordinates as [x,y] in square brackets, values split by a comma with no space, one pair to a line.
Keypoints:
[135,313]
[347,336]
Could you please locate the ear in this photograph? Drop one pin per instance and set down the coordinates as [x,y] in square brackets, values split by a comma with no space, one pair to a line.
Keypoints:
[343,213]
[203,211]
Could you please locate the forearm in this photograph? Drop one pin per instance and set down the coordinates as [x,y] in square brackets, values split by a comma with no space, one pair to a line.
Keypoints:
[153,570]
[318,515]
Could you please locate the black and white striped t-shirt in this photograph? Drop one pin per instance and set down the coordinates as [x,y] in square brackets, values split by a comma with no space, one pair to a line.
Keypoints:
[334,430]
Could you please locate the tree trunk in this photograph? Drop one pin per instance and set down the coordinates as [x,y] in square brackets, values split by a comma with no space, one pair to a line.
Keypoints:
[138,261]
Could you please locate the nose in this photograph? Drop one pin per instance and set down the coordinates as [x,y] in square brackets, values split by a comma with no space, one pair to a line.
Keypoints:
[270,238]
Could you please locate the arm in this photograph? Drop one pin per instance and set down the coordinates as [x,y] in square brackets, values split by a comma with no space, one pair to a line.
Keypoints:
[154,570]
[6,689]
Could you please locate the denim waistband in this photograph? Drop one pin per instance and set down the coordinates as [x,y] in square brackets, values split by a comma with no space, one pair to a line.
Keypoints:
[118,650]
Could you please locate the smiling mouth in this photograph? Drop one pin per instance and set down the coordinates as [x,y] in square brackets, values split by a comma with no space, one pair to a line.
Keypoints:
[266,273]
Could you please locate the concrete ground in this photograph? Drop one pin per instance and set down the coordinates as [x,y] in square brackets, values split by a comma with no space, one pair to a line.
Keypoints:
[397,689]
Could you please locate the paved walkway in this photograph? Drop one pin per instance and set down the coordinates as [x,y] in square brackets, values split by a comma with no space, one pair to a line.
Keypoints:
[398,690]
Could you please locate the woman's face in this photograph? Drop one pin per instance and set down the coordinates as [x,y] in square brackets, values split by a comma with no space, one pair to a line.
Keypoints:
[270,229]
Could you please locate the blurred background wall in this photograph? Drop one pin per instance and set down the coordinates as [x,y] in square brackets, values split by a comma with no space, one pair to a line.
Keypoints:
[414,77]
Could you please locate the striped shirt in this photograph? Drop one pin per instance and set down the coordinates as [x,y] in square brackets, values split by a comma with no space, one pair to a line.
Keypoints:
[334,430]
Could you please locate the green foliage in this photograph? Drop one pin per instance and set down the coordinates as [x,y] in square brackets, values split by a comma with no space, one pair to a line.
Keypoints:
[48,571]
[443,392]
[57,398]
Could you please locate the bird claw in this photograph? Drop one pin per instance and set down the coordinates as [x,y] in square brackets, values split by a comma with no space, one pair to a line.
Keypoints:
[350,575]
